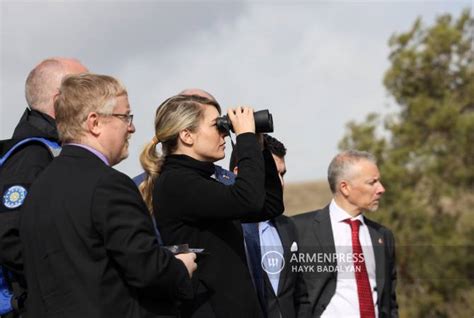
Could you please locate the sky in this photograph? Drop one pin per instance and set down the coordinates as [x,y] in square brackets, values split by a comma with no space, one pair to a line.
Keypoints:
[316,65]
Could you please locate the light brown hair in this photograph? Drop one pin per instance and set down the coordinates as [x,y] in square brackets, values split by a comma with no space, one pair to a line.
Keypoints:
[80,95]
[172,116]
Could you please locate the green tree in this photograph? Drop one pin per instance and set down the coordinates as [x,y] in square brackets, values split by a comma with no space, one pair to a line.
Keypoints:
[426,158]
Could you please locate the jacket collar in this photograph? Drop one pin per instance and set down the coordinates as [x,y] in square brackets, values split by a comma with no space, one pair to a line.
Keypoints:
[36,124]
[79,152]
[204,168]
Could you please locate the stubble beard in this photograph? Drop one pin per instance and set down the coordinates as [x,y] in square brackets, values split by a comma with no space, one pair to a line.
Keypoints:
[373,207]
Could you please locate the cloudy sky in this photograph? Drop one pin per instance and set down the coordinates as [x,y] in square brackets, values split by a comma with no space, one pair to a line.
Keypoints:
[315,64]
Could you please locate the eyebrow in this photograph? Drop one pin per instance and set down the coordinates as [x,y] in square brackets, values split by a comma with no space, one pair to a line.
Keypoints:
[374,179]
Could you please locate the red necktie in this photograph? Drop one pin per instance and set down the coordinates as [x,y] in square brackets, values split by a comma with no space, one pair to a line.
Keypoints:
[366,303]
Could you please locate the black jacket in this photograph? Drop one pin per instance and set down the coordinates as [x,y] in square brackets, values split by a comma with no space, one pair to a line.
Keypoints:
[90,248]
[316,237]
[192,207]
[22,168]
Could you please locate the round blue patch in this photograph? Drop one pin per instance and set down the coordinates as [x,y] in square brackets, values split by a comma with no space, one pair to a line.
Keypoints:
[14,197]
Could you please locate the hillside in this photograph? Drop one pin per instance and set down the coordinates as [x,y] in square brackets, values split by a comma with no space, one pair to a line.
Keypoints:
[306,196]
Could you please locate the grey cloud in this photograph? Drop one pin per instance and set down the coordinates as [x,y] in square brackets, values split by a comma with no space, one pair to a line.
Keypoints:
[316,65]
[104,35]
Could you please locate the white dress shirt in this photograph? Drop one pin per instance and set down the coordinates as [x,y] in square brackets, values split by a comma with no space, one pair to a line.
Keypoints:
[345,302]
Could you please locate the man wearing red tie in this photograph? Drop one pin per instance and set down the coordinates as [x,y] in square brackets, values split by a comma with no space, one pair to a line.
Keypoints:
[353,258]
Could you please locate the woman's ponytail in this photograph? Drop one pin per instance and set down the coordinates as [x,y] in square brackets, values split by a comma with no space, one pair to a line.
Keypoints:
[151,163]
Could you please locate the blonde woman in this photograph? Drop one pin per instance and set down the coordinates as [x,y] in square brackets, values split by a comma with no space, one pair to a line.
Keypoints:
[191,207]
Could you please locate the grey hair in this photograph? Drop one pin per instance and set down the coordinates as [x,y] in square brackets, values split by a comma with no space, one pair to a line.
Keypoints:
[342,164]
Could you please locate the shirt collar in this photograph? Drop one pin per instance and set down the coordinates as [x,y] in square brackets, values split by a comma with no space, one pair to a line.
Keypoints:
[264,225]
[339,215]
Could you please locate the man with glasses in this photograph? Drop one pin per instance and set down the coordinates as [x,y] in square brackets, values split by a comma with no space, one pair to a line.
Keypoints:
[90,248]
[128,118]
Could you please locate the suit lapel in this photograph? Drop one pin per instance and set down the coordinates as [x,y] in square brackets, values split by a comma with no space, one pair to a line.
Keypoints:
[322,230]
[378,244]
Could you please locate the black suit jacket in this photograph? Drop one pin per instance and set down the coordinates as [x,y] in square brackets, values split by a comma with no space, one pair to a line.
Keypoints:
[90,249]
[315,236]
[292,298]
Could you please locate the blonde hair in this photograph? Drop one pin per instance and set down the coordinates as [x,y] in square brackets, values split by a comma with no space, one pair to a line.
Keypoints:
[80,95]
[172,116]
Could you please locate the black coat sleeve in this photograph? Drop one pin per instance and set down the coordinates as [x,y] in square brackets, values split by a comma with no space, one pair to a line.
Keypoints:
[21,168]
[248,198]
[273,205]
[120,215]
[393,275]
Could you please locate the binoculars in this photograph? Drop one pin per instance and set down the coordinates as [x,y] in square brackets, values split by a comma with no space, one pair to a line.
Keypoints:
[263,122]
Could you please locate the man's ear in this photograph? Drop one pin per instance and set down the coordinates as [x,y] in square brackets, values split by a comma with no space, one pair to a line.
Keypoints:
[186,137]
[236,170]
[344,187]
[93,124]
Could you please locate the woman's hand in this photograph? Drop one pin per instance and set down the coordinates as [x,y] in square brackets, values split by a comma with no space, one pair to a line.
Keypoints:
[189,260]
[242,119]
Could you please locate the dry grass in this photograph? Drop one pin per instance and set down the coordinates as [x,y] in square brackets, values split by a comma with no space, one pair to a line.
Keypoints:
[306,196]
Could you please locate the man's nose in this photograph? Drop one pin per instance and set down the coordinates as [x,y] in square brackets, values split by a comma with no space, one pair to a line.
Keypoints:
[381,189]
[131,128]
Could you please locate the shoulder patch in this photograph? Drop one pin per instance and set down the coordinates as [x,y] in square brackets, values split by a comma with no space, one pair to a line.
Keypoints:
[14,196]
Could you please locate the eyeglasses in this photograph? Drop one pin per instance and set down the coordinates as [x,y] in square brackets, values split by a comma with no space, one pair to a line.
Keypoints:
[127,117]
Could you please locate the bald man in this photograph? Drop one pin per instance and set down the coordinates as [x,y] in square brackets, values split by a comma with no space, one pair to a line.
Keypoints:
[26,162]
